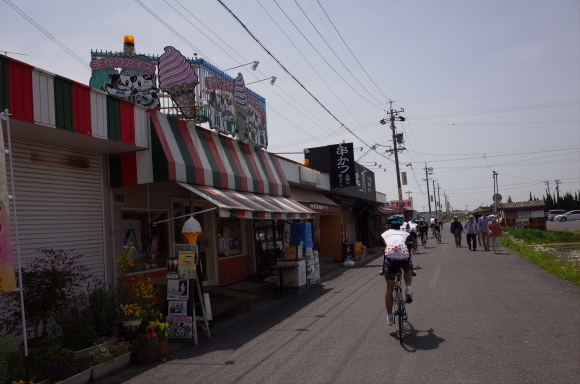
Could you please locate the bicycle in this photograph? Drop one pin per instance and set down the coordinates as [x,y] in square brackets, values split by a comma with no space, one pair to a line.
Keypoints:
[399,311]
[438,236]
[423,238]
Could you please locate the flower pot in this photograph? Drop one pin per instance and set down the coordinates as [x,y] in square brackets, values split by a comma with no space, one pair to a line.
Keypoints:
[105,369]
[80,378]
[146,356]
[85,353]
[131,325]
[162,348]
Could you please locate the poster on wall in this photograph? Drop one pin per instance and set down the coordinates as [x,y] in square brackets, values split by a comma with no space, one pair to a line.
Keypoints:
[177,307]
[177,289]
[186,265]
[180,326]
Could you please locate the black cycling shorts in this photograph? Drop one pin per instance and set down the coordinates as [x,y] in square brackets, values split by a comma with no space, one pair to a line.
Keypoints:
[392,266]
[413,234]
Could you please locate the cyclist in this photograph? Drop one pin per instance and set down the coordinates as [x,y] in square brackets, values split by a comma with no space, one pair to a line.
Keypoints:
[423,229]
[397,256]
[413,226]
[436,227]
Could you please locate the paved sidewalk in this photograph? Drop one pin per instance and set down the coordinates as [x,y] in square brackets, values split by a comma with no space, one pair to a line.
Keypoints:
[262,295]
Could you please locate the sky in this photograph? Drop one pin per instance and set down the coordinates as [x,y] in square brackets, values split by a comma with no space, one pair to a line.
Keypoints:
[484,86]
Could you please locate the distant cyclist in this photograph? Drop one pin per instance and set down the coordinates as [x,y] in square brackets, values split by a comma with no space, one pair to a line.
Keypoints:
[396,257]
[423,229]
[436,226]
[413,227]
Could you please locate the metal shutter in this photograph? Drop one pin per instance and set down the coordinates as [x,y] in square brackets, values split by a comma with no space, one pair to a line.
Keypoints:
[59,197]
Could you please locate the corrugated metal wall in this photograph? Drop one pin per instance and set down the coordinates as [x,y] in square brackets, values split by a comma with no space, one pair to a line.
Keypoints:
[59,197]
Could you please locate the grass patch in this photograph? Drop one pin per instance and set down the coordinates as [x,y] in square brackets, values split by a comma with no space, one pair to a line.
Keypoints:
[536,236]
[526,243]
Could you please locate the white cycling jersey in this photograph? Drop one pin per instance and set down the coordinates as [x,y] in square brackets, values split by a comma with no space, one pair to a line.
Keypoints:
[396,243]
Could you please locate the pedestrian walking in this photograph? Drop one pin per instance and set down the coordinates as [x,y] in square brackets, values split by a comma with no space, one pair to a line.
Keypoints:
[456,229]
[494,229]
[482,227]
[478,232]
[471,233]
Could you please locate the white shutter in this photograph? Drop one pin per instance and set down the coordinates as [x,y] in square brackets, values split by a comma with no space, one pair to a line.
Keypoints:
[59,202]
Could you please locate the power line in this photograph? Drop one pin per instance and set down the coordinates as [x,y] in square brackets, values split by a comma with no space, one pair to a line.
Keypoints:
[292,76]
[332,50]
[47,34]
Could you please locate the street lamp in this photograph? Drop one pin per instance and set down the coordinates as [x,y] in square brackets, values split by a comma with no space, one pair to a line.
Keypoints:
[254,66]
[272,80]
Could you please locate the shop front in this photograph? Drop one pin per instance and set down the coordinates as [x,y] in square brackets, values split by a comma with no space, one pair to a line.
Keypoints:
[189,169]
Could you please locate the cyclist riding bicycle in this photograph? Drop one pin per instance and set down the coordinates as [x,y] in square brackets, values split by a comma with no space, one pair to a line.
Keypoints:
[423,229]
[436,226]
[397,256]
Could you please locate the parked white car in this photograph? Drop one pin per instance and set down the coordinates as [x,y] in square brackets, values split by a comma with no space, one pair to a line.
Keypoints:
[552,213]
[572,215]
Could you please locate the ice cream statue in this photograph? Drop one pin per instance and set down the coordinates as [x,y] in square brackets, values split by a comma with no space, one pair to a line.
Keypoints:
[177,77]
[191,230]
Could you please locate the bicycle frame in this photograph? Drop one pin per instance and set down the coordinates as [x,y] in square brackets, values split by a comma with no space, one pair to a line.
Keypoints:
[399,310]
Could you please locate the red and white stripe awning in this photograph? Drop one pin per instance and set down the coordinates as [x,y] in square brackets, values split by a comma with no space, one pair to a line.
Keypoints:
[247,205]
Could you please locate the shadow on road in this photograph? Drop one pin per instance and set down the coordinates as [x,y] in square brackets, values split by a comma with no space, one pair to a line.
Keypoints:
[414,339]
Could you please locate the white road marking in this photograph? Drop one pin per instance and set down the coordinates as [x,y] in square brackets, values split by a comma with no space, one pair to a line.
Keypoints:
[435,277]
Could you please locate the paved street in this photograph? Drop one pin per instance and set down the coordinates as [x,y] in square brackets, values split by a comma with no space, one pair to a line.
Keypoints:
[477,318]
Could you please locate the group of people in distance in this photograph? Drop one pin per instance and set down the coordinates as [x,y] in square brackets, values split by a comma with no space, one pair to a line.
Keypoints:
[486,230]
[403,236]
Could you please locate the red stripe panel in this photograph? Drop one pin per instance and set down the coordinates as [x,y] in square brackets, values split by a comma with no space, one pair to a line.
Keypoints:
[240,169]
[170,159]
[269,173]
[129,168]
[127,122]
[21,96]
[246,148]
[211,143]
[81,99]
[281,175]
[194,153]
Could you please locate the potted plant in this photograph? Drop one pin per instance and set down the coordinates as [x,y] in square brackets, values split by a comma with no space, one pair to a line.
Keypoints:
[162,330]
[131,316]
[145,345]
[48,282]
[109,358]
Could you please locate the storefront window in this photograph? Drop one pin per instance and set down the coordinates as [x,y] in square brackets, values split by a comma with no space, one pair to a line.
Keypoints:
[229,237]
[147,243]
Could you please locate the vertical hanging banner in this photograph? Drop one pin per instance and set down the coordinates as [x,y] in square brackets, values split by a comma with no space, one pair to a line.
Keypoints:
[7,278]
[342,171]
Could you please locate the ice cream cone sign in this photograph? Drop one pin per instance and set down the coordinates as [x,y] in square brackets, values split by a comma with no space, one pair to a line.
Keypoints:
[191,230]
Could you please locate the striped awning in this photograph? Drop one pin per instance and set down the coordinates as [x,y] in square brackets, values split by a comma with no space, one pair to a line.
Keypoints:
[190,154]
[250,205]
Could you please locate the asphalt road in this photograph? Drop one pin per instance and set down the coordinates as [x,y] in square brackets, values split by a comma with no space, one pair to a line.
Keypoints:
[556,225]
[477,318]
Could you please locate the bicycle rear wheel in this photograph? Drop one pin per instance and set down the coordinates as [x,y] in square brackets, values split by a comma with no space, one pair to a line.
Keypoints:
[400,314]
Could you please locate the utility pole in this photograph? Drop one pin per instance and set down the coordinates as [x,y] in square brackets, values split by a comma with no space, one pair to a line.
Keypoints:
[495,185]
[434,197]
[397,139]
[428,171]
[558,182]
[408,194]
[548,185]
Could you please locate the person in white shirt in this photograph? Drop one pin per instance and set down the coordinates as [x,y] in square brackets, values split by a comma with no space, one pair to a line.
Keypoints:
[397,256]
